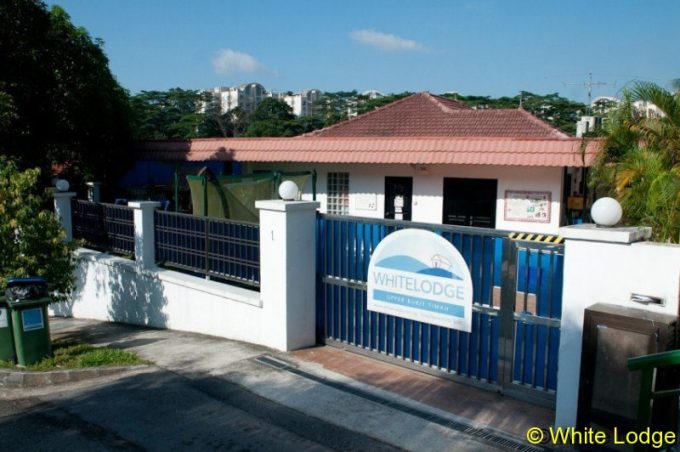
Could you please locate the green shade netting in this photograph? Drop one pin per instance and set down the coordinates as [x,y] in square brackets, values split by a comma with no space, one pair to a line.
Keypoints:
[234,197]
[217,206]
[241,196]
[300,181]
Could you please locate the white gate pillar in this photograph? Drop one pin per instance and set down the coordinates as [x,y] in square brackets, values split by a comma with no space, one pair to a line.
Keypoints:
[607,265]
[288,271]
[145,240]
[62,208]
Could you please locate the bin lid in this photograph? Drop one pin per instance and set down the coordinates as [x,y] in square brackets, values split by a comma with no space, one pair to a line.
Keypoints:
[27,280]
[19,289]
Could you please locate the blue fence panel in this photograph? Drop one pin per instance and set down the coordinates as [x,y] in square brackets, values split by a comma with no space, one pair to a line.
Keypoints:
[345,245]
[539,288]
[345,248]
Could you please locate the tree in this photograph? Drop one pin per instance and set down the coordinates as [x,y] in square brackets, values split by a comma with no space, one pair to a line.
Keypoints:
[239,120]
[31,239]
[334,107]
[640,160]
[366,104]
[162,115]
[214,123]
[59,103]
[271,118]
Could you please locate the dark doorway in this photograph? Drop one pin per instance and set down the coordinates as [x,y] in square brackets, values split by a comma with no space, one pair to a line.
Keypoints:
[470,202]
[398,195]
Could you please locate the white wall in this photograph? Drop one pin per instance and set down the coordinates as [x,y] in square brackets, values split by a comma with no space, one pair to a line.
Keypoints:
[599,272]
[111,288]
[282,315]
[428,187]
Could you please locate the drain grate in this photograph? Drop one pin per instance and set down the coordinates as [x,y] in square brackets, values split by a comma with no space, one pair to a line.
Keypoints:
[484,435]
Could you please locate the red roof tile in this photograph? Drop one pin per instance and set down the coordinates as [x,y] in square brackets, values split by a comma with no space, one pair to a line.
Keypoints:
[432,116]
[395,150]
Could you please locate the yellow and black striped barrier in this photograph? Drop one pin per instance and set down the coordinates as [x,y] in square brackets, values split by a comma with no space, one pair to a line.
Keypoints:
[546,238]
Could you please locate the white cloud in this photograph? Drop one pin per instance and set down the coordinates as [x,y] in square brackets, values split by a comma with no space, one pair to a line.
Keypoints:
[384,41]
[229,61]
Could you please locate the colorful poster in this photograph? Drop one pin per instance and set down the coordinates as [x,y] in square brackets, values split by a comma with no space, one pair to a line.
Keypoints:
[527,206]
[419,275]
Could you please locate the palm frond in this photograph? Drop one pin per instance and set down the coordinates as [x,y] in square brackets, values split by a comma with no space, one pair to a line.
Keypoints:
[664,100]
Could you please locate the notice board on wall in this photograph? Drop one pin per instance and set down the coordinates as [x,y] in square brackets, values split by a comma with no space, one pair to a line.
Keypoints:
[527,206]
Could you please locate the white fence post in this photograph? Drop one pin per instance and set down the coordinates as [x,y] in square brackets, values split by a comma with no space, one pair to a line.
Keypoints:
[288,271]
[145,243]
[62,209]
[606,265]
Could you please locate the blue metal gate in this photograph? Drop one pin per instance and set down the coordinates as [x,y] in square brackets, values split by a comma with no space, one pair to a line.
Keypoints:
[517,304]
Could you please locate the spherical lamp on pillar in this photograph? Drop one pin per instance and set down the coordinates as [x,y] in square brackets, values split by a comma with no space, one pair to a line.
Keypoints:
[62,185]
[288,190]
[606,212]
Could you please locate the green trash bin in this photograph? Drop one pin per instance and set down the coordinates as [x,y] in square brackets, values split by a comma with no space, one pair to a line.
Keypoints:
[28,299]
[6,337]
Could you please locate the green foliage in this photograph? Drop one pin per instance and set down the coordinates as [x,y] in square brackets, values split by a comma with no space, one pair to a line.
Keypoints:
[214,123]
[59,103]
[365,104]
[175,113]
[275,118]
[640,161]
[74,356]
[162,115]
[336,106]
[31,239]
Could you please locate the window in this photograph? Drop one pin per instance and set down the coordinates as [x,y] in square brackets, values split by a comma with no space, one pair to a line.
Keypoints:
[337,187]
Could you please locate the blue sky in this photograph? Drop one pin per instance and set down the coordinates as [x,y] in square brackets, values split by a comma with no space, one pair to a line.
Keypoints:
[481,47]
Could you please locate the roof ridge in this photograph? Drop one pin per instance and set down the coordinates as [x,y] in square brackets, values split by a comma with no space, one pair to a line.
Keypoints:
[557,131]
[445,108]
[363,115]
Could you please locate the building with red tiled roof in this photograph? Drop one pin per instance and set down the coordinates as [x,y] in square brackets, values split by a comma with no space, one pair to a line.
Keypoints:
[425,115]
[423,158]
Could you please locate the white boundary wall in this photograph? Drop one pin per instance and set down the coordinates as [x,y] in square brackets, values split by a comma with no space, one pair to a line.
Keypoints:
[116,289]
[281,316]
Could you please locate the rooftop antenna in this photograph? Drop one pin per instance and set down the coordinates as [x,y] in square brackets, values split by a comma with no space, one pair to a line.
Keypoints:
[520,98]
[589,87]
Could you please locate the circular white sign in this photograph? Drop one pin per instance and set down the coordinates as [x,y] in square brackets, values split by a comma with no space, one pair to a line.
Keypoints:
[419,275]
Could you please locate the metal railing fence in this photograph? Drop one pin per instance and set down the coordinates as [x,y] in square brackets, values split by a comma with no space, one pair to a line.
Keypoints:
[213,247]
[106,227]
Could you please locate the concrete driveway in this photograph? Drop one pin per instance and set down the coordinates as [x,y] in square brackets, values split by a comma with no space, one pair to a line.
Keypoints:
[206,393]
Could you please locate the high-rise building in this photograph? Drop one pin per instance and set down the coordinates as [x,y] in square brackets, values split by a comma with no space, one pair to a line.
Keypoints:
[246,96]
[302,103]
[249,95]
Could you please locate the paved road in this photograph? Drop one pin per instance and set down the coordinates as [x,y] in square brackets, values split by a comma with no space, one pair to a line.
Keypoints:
[206,393]
[161,410]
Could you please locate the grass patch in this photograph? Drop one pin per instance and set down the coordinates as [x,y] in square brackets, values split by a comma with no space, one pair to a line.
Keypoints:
[71,355]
